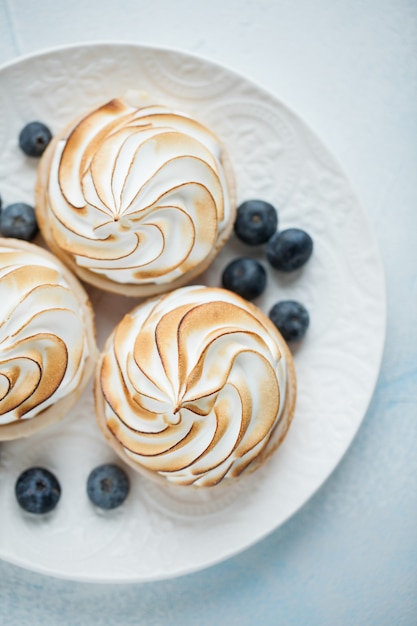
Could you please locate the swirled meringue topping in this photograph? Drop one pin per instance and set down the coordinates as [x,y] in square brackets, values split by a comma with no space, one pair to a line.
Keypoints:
[42,338]
[194,384]
[137,194]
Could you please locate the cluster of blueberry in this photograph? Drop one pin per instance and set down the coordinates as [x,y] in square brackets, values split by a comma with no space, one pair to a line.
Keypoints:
[18,220]
[286,250]
[38,490]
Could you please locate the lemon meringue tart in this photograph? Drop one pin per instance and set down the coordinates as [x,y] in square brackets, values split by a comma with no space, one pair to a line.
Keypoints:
[136,198]
[195,387]
[47,339]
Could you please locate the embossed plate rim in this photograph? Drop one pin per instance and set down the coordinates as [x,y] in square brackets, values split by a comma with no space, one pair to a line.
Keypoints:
[59,570]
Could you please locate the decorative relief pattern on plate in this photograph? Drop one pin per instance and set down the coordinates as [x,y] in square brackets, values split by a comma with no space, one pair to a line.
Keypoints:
[155,535]
[263,146]
[185,75]
[192,504]
[91,77]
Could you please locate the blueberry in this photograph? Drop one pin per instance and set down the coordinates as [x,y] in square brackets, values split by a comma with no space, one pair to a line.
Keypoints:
[291,318]
[34,138]
[256,222]
[37,490]
[290,249]
[18,220]
[245,276]
[108,486]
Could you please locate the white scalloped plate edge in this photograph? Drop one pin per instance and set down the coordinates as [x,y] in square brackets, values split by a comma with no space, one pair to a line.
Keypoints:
[231,520]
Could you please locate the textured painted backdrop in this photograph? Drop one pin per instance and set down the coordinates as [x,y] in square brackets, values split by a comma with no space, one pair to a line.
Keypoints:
[350,70]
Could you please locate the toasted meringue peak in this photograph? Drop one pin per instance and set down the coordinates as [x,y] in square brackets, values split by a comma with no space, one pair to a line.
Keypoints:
[43,343]
[193,385]
[137,193]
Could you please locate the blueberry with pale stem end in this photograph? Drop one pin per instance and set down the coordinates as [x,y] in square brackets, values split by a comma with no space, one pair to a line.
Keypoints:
[291,318]
[256,222]
[289,249]
[37,490]
[18,220]
[246,277]
[108,486]
[34,138]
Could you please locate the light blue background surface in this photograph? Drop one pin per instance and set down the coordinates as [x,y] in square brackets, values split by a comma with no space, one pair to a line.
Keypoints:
[350,70]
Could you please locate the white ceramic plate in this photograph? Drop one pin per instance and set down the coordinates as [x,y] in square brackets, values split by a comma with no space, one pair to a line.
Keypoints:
[155,535]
